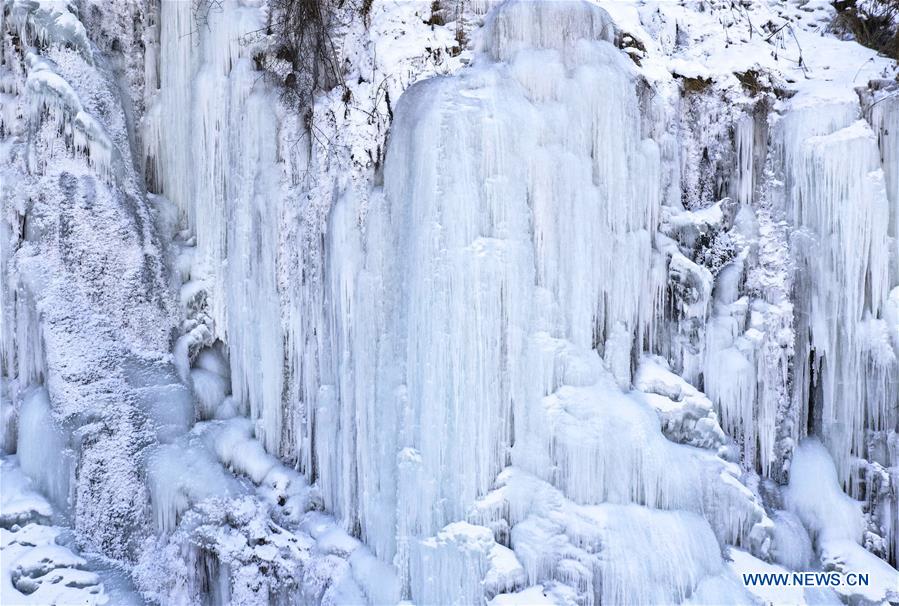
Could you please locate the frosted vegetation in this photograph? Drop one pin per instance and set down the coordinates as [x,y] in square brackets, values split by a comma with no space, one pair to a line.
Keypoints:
[464,302]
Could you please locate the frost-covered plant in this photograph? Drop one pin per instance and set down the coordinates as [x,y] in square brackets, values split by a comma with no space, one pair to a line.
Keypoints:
[201,10]
[301,33]
[715,250]
[873,23]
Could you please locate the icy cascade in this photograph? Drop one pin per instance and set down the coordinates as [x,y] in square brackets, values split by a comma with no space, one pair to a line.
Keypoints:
[211,145]
[457,380]
[482,309]
[748,337]
[464,272]
[846,366]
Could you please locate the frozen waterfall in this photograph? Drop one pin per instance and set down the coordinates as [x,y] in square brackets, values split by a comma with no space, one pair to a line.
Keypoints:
[528,302]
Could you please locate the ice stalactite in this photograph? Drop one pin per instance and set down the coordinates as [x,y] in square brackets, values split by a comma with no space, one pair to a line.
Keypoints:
[745,178]
[333,299]
[839,194]
[22,342]
[43,449]
[881,109]
[837,376]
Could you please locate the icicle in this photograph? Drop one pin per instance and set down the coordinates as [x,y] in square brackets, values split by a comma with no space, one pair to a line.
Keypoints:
[545,25]
[26,348]
[51,98]
[49,23]
[449,568]
[883,114]
[590,548]
[744,178]
[43,449]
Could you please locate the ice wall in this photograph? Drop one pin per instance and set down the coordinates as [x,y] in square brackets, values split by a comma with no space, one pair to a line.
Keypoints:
[476,302]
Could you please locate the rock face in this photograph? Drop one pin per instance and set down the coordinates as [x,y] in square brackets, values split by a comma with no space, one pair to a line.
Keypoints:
[563,302]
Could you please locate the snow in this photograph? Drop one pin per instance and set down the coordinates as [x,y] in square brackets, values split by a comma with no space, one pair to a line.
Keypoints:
[37,571]
[181,475]
[847,556]
[532,596]
[19,502]
[686,414]
[38,563]
[814,495]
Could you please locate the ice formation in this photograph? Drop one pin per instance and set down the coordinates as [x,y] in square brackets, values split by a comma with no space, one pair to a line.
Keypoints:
[564,302]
